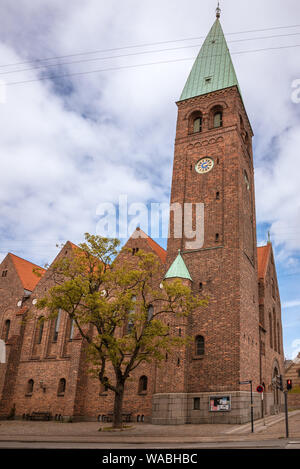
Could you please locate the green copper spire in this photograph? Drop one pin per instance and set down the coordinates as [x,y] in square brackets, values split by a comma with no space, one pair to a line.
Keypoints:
[178,269]
[213,69]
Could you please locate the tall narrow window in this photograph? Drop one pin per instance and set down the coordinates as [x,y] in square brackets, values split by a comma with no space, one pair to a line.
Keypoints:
[56,326]
[130,320]
[40,326]
[275,335]
[150,312]
[29,388]
[196,403]
[273,288]
[143,384]
[61,387]
[6,330]
[71,332]
[218,119]
[197,125]
[278,338]
[271,330]
[199,345]
[246,180]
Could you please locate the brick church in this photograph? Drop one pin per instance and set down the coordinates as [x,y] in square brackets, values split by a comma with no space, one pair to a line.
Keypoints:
[238,337]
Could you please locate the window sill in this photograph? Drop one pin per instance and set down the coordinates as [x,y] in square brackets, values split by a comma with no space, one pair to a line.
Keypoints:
[195,357]
[61,394]
[28,394]
[142,393]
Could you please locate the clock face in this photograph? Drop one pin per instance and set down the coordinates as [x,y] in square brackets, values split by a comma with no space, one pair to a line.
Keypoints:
[204,165]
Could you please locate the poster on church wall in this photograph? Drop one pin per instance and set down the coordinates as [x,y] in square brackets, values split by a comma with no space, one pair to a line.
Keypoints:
[219,404]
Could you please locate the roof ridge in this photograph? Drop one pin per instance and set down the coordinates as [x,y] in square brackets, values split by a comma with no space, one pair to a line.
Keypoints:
[26,260]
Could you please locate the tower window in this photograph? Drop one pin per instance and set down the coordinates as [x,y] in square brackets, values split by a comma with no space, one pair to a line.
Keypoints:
[247,180]
[29,389]
[217,195]
[4,273]
[200,286]
[196,403]
[217,238]
[195,122]
[218,119]
[199,345]
[197,125]
[61,387]
[143,384]
[6,330]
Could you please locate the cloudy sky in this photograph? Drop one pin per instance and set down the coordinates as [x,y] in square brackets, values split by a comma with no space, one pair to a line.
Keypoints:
[87,113]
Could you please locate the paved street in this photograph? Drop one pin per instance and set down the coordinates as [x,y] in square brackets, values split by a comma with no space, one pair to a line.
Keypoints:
[86,435]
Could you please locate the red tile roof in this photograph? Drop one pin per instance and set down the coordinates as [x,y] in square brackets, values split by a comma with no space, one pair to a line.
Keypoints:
[161,252]
[263,256]
[25,271]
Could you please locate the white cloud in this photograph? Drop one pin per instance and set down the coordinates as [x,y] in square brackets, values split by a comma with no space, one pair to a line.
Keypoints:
[291,304]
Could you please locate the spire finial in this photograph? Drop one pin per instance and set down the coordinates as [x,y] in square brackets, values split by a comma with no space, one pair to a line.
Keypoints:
[218,11]
[269,237]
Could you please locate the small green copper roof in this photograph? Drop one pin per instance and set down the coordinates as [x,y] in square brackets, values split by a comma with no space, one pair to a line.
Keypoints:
[178,269]
[213,69]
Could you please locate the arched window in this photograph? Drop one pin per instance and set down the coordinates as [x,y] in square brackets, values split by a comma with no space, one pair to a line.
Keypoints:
[195,122]
[130,320]
[6,330]
[197,125]
[246,180]
[275,335]
[61,387]
[199,345]
[271,330]
[40,329]
[150,312]
[30,385]
[273,288]
[70,328]
[218,119]
[143,383]
[56,326]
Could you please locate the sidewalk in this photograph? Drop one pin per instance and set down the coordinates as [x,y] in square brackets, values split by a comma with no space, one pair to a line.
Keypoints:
[83,432]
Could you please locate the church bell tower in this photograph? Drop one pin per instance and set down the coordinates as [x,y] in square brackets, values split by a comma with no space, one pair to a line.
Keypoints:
[212,225]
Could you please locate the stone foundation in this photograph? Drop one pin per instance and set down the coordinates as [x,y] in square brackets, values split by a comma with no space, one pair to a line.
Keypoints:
[178,409]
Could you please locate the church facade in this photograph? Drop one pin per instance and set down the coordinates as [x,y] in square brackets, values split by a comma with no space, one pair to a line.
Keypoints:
[236,339]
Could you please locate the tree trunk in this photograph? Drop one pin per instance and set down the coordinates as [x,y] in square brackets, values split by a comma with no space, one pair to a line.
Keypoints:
[118,406]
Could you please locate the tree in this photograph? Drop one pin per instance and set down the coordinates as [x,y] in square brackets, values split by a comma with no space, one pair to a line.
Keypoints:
[118,304]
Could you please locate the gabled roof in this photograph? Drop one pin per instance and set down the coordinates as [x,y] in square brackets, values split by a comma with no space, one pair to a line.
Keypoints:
[162,254]
[213,69]
[263,256]
[178,269]
[25,272]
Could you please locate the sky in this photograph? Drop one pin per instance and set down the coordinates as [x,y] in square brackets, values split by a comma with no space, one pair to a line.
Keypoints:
[88,114]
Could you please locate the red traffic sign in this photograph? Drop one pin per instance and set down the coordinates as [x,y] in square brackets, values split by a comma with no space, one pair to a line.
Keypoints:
[260,389]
